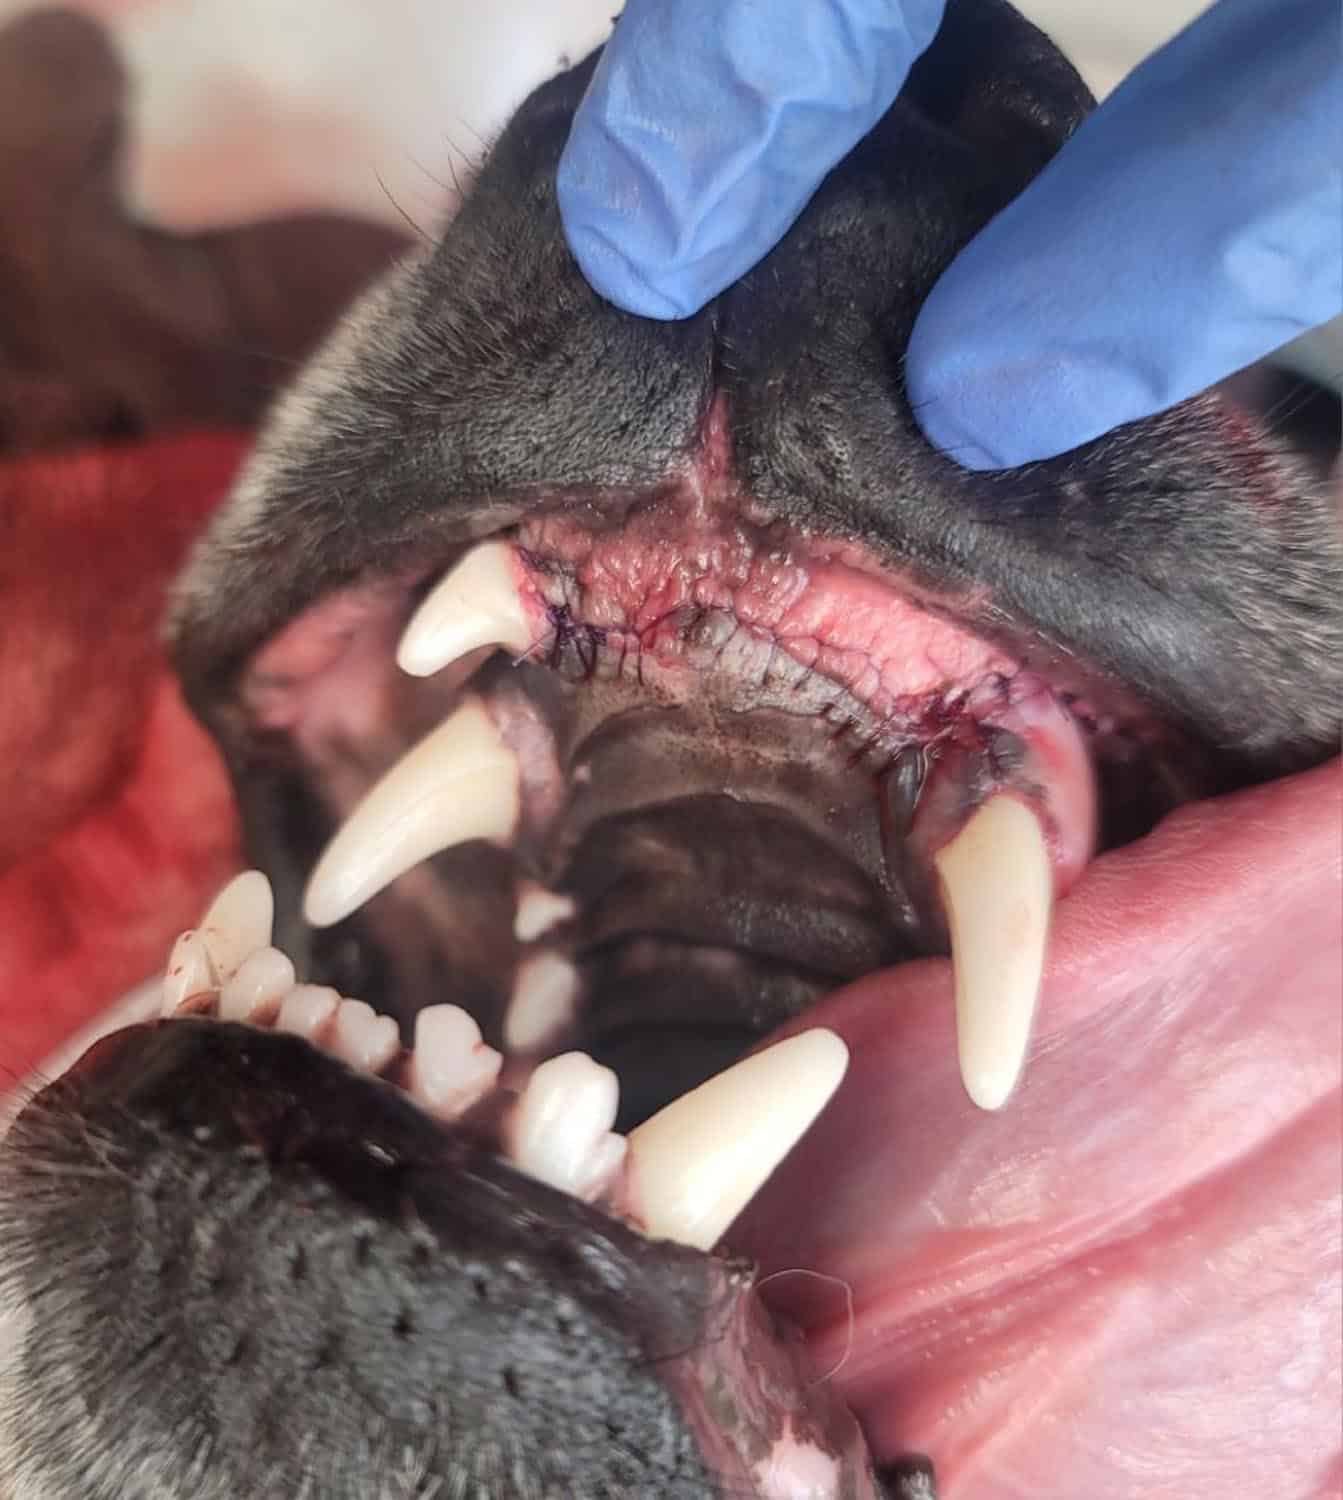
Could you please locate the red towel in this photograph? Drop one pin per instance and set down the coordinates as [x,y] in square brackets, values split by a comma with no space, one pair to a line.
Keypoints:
[118,822]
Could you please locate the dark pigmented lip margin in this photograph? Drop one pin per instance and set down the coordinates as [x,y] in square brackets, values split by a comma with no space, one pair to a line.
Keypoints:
[1098,702]
[1096,699]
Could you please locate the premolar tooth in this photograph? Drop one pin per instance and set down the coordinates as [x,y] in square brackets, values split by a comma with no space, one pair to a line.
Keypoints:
[560,1131]
[998,890]
[239,922]
[697,1163]
[476,604]
[459,783]
[190,972]
[451,1068]
[256,991]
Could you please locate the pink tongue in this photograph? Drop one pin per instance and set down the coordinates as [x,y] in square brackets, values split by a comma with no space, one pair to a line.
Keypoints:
[1127,1282]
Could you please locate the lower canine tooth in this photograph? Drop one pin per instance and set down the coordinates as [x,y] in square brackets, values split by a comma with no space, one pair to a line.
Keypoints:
[998,890]
[256,990]
[459,783]
[697,1163]
[238,922]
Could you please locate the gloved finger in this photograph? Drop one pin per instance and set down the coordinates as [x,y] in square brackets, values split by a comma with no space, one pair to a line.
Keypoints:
[1191,226]
[710,123]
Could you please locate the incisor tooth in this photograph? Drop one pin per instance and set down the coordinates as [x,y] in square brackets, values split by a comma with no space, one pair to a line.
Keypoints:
[696,1164]
[239,922]
[451,1068]
[190,972]
[363,1038]
[998,890]
[307,1009]
[539,910]
[256,990]
[561,1127]
[459,783]
[476,604]
[542,1002]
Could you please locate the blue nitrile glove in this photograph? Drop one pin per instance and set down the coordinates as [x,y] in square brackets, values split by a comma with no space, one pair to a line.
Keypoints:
[1192,225]
[708,126]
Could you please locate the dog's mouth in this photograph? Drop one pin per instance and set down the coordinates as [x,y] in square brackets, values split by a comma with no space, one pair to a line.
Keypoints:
[652,778]
[656,779]
[653,691]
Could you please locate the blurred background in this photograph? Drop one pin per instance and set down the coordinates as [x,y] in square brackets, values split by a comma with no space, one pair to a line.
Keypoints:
[132,129]
[244,108]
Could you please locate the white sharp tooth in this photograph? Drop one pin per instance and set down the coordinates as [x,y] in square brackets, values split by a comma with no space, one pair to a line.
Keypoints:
[257,989]
[239,921]
[696,1164]
[998,890]
[459,783]
[560,1130]
[476,604]
[542,1003]
[363,1038]
[189,972]
[451,1068]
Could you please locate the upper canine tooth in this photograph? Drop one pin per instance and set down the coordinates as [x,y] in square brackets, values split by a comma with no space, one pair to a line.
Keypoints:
[476,604]
[459,783]
[239,922]
[697,1163]
[998,890]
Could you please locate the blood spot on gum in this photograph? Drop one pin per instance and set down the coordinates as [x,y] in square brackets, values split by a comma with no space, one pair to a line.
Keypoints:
[672,558]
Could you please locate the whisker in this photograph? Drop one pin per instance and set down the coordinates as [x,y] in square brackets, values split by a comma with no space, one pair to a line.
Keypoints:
[391,198]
